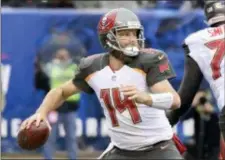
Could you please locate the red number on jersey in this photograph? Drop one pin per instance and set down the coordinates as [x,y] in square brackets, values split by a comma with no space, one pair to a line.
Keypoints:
[120,105]
[219,45]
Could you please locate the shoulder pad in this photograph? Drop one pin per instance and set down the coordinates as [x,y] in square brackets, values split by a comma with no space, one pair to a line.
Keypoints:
[151,51]
[192,38]
[88,61]
[195,37]
[151,56]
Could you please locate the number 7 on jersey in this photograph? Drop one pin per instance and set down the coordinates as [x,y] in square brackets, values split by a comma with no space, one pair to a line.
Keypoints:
[219,45]
[114,99]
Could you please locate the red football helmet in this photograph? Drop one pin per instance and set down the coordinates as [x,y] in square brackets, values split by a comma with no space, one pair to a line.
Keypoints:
[119,19]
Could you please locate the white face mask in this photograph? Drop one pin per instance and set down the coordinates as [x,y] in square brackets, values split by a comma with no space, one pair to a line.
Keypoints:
[131,51]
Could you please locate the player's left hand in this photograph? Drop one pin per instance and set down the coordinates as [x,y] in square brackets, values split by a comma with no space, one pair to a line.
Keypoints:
[132,93]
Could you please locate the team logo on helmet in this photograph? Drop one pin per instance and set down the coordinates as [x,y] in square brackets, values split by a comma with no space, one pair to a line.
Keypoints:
[104,21]
[107,22]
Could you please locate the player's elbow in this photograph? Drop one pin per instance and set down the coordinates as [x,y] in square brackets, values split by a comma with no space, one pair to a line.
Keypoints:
[176,101]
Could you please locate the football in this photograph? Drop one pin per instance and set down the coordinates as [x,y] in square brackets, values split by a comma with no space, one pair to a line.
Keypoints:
[34,137]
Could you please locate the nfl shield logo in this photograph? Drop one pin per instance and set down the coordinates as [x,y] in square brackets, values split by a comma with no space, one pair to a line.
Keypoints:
[114,78]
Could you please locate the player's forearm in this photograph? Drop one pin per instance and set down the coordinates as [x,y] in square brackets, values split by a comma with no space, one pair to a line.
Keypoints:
[52,101]
[57,96]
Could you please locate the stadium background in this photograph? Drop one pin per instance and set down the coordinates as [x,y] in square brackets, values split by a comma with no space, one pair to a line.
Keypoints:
[25,33]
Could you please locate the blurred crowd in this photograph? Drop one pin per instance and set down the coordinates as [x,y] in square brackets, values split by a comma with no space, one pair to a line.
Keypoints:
[181,4]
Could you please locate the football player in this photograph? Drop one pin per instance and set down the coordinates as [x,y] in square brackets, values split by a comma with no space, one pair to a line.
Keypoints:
[205,51]
[132,86]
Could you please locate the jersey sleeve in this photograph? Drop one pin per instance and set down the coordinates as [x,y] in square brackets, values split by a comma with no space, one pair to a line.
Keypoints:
[82,73]
[160,69]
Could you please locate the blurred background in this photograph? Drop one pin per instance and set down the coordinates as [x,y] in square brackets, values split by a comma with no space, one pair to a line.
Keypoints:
[42,42]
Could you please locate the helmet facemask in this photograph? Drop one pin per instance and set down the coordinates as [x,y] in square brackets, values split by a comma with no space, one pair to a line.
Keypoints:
[130,51]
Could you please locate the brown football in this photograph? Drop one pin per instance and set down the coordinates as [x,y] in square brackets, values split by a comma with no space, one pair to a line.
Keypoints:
[34,137]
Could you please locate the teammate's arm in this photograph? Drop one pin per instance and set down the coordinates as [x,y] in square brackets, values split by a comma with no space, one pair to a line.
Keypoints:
[188,88]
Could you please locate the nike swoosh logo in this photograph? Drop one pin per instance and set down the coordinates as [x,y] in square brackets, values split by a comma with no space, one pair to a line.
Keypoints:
[161,57]
[164,147]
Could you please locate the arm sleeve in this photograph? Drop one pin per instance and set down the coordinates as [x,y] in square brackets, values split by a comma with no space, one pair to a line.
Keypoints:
[160,70]
[79,78]
[189,87]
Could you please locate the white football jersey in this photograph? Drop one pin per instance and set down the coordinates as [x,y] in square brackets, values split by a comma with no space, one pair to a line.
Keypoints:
[131,126]
[207,48]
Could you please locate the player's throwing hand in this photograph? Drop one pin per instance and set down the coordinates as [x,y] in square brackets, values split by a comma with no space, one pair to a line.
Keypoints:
[38,117]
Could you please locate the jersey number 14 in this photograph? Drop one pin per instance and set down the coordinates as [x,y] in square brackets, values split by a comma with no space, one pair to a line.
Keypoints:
[114,102]
[219,45]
